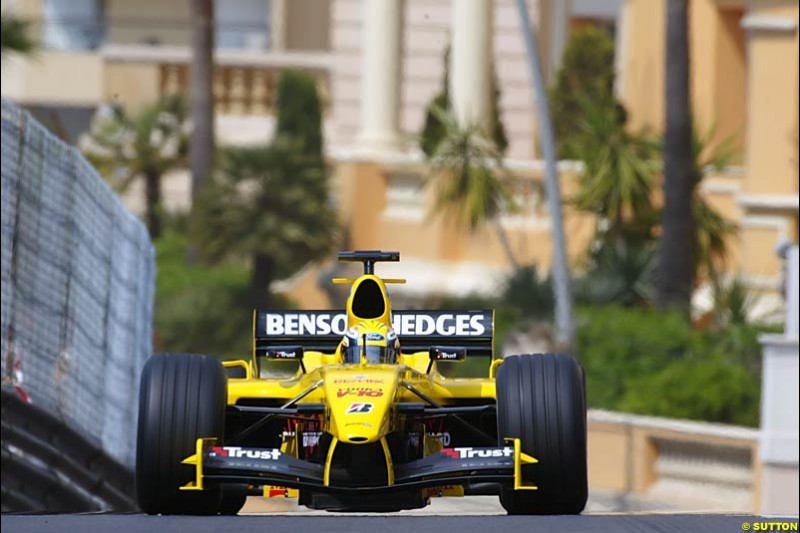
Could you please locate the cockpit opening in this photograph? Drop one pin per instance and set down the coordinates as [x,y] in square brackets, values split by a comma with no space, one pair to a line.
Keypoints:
[368,300]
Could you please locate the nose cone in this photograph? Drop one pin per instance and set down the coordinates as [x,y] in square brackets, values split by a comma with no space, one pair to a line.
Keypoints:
[360,398]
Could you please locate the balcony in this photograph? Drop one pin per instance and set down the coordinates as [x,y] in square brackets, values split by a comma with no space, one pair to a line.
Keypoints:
[245,82]
[134,53]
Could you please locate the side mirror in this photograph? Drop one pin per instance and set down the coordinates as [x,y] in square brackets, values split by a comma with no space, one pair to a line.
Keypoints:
[285,353]
[446,354]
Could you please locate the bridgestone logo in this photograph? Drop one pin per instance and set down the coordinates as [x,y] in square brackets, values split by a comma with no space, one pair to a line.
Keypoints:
[469,453]
[237,451]
[406,324]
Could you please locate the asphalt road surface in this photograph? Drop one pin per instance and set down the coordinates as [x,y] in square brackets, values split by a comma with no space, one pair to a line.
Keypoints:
[399,523]
[475,514]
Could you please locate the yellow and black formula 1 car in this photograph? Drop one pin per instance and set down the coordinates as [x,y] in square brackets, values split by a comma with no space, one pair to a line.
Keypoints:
[366,420]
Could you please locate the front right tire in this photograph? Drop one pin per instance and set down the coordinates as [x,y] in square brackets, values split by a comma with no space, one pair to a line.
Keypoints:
[541,399]
[182,398]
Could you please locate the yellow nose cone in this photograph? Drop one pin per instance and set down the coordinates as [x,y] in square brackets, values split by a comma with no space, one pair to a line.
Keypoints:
[360,398]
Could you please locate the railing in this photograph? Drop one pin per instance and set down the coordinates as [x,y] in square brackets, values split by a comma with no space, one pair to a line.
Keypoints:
[677,463]
[49,467]
[245,83]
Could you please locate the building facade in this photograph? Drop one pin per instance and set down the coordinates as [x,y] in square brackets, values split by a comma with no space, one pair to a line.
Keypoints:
[744,57]
[380,62]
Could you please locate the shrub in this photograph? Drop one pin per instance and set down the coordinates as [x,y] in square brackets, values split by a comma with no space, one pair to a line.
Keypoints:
[618,272]
[200,308]
[299,112]
[529,294]
[617,345]
[654,363]
[699,388]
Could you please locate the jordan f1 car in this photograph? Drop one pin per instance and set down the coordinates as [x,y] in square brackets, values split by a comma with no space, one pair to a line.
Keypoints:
[353,411]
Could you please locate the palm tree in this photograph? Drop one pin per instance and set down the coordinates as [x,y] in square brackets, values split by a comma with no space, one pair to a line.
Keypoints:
[619,175]
[713,229]
[620,272]
[586,77]
[125,148]
[677,251]
[469,181]
[269,204]
[433,131]
[15,35]
[202,92]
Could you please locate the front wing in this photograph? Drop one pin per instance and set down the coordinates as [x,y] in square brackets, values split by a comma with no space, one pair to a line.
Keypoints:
[270,466]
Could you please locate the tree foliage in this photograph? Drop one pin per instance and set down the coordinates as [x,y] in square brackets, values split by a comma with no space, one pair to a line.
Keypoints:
[620,170]
[620,271]
[528,293]
[269,204]
[467,174]
[655,363]
[435,130]
[299,112]
[713,230]
[200,308]
[15,35]
[145,145]
[585,80]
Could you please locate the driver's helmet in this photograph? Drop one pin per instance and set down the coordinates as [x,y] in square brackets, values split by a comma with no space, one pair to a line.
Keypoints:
[373,340]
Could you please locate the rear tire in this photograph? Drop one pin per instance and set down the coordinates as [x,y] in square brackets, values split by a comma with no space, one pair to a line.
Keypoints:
[541,399]
[182,398]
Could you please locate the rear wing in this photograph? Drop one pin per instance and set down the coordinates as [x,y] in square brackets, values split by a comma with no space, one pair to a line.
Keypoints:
[417,330]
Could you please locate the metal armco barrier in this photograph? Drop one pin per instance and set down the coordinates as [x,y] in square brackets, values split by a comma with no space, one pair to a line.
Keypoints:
[50,467]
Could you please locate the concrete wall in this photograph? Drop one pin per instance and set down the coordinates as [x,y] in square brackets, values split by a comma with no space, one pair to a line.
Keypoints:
[170,22]
[386,205]
[770,187]
[54,77]
[718,57]
[308,25]
[744,58]
[780,435]
[678,464]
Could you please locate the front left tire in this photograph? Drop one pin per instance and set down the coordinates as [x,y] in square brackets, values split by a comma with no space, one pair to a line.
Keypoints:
[182,398]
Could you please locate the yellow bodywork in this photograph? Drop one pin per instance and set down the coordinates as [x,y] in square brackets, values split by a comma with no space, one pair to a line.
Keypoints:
[410,369]
[359,399]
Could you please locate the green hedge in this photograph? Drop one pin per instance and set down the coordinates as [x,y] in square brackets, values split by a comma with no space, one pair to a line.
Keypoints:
[654,363]
[199,308]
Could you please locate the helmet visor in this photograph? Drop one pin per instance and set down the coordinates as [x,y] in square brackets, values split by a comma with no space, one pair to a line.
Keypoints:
[374,353]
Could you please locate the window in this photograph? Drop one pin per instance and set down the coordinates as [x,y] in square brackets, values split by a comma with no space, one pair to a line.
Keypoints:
[242,24]
[72,24]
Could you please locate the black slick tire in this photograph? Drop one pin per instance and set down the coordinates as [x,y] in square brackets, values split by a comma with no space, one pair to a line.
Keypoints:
[541,399]
[233,499]
[182,398]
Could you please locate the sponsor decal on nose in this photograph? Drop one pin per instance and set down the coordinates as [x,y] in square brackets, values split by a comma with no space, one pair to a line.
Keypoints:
[359,407]
[359,391]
